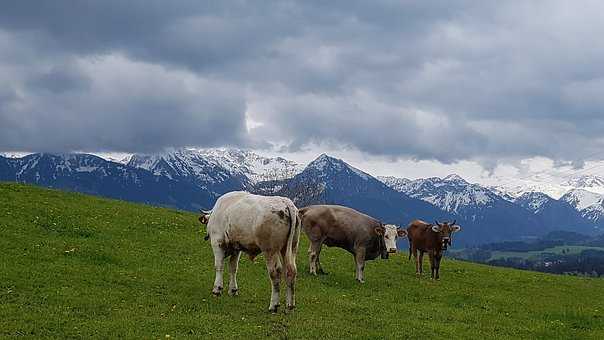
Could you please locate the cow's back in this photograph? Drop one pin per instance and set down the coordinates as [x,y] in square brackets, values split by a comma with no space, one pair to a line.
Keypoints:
[252,221]
[337,225]
[418,232]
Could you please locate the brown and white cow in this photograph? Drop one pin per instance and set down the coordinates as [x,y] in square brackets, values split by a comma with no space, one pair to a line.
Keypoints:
[336,226]
[430,238]
[243,222]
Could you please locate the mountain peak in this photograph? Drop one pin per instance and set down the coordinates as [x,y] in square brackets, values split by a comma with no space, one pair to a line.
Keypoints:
[325,163]
[454,178]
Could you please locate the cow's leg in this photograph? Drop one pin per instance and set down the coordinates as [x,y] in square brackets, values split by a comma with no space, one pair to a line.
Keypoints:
[437,259]
[313,256]
[219,266]
[359,257]
[421,262]
[319,267]
[233,265]
[414,252]
[432,265]
[273,265]
[290,279]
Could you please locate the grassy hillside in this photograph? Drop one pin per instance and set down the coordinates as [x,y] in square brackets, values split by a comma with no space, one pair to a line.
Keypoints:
[79,266]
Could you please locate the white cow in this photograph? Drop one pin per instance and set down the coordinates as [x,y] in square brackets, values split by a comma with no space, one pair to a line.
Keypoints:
[255,224]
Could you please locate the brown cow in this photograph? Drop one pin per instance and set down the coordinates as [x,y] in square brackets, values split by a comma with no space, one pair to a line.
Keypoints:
[337,226]
[431,238]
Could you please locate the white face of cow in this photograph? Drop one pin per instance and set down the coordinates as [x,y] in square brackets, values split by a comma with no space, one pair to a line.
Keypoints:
[392,232]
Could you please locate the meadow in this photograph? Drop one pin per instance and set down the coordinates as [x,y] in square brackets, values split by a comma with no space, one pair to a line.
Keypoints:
[568,250]
[76,266]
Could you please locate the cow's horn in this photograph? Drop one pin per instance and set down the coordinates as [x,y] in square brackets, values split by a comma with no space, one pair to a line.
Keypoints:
[205,212]
[453,222]
[435,221]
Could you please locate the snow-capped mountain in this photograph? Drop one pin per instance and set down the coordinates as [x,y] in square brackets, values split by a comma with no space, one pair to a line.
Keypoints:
[581,199]
[558,214]
[452,193]
[555,187]
[220,170]
[189,165]
[194,178]
[256,167]
[511,189]
[590,205]
[533,201]
[94,175]
[487,214]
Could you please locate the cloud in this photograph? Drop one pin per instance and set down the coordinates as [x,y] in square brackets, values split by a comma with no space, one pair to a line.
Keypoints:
[114,103]
[425,80]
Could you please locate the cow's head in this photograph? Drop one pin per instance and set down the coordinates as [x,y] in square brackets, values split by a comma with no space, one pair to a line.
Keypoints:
[204,216]
[445,232]
[380,231]
[390,236]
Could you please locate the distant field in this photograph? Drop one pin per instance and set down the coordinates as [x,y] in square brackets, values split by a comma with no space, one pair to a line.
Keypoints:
[77,266]
[531,254]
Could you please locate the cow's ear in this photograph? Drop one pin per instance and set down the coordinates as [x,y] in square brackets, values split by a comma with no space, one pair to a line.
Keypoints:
[380,230]
[455,228]
[400,232]
[436,228]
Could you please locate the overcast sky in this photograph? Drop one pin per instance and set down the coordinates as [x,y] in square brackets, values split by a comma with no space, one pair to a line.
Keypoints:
[468,85]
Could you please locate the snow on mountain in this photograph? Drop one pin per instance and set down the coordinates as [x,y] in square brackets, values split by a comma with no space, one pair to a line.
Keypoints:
[395,183]
[217,165]
[323,162]
[485,214]
[533,201]
[591,183]
[581,199]
[585,181]
[512,188]
[14,154]
[451,193]
[191,166]
[590,205]
[553,186]
[256,167]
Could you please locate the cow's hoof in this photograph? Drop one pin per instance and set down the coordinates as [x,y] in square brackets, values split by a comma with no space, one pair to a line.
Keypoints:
[321,272]
[217,291]
[273,309]
[233,292]
[291,307]
[360,281]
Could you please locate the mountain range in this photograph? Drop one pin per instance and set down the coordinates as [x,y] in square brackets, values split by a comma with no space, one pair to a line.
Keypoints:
[194,178]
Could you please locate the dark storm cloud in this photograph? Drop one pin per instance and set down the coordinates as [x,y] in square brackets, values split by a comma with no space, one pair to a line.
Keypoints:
[425,79]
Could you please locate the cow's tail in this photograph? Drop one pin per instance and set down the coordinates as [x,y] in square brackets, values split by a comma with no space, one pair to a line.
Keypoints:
[292,241]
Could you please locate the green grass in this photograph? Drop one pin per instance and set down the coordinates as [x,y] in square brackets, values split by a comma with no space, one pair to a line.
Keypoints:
[75,266]
[570,250]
